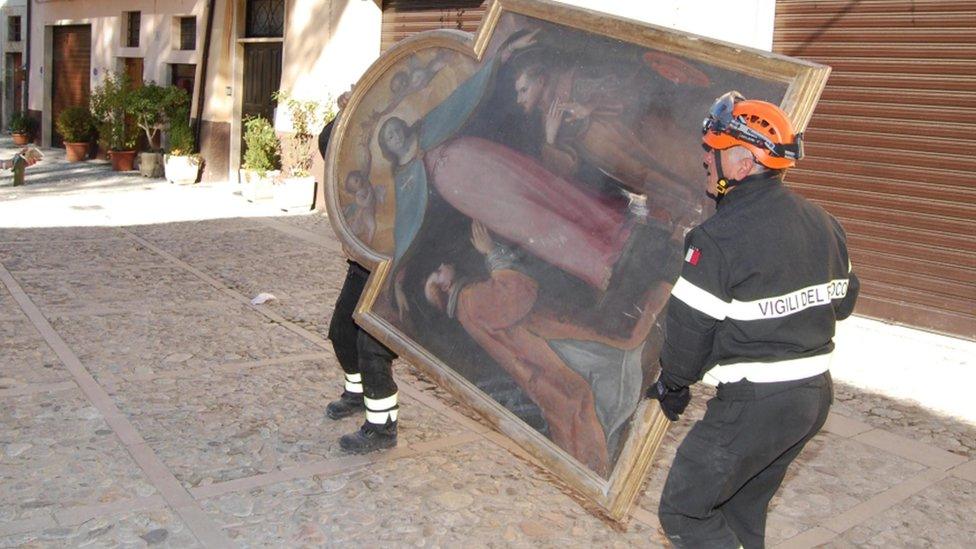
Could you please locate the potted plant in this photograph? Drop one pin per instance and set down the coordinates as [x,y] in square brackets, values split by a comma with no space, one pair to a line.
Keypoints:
[296,191]
[75,126]
[111,107]
[21,128]
[262,159]
[182,165]
[152,106]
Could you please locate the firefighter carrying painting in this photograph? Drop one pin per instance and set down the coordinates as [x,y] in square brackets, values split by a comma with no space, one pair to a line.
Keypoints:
[534,206]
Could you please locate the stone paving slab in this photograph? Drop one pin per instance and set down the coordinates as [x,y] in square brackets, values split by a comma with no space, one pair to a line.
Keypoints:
[831,476]
[285,276]
[157,286]
[230,425]
[56,234]
[141,343]
[9,310]
[192,230]
[940,516]
[310,310]
[906,419]
[156,528]
[65,256]
[479,495]
[57,452]
[314,224]
[966,471]
[26,358]
[256,243]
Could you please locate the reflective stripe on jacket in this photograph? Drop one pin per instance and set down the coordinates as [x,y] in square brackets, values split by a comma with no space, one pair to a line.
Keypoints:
[764,280]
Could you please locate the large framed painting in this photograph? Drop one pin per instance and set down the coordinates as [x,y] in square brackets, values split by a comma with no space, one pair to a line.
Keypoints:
[521,197]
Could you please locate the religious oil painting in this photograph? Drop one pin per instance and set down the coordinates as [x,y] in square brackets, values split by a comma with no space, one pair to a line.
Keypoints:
[521,197]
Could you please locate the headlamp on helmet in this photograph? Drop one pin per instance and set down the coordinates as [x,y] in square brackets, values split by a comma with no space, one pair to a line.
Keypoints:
[757,125]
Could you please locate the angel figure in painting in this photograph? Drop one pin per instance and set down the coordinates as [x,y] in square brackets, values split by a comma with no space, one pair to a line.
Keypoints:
[361,213]
[406,146]
[415,76]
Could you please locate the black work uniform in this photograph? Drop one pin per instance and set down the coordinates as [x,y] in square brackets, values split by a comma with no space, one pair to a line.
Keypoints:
[367,363]
[763,283]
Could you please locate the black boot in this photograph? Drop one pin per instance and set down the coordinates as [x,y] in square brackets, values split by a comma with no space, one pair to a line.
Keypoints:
[347,405]
[370,438]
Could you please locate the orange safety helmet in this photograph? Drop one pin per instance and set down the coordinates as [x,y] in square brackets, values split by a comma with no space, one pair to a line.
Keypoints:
[759,126]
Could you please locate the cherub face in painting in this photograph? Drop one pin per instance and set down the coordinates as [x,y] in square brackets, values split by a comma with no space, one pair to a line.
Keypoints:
[354,181]
[358,185]
[399,83]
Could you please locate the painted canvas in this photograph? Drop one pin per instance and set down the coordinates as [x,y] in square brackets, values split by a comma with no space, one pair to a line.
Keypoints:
[522,197]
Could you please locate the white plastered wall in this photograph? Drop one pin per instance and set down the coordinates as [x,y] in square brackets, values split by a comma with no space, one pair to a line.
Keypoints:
[743,22]
[158,43]
[328,46]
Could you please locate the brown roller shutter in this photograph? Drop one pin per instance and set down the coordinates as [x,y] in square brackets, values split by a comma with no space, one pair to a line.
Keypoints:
[70,71]
[889,148]
[403,18]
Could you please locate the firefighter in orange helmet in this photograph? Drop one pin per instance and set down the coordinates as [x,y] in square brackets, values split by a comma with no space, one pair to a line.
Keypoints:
[762,286]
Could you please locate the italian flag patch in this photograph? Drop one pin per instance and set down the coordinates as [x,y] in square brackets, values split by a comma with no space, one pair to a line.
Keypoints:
[693,255]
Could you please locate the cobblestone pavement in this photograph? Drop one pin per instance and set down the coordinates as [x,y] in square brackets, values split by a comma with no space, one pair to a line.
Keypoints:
[144,401]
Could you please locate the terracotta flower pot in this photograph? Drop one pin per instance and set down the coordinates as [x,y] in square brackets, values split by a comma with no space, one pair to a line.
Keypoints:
[21,139]
[123,161]
[76,152]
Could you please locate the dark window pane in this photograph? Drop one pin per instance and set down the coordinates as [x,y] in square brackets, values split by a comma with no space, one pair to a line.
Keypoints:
[265,18]
[13,28]
[182,75]
[133,19]
[188,33]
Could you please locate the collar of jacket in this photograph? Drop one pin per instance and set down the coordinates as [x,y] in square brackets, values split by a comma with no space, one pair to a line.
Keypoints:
[750,187]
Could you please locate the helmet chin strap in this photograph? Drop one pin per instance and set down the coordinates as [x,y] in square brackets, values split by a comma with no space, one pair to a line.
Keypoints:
[724,184]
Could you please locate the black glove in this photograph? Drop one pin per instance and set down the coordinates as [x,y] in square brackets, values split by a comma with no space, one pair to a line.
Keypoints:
[673,400]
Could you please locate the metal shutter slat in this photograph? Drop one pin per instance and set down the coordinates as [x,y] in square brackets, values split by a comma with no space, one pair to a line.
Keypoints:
[404,19]
[889,148]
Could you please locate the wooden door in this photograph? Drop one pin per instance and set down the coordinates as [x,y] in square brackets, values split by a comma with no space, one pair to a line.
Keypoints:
[71,72]
[13,95]
[133,69]
[262,77]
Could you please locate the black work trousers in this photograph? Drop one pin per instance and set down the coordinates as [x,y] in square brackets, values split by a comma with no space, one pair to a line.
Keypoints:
[732,461]
[357,351]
